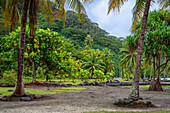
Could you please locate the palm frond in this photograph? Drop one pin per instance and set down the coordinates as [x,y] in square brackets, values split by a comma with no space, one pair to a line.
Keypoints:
[164,4]
[115,5]
[46,9]
[137,11]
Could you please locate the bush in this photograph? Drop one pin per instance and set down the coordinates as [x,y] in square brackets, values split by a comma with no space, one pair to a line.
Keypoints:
[8,79]
[97,74]
[84,74]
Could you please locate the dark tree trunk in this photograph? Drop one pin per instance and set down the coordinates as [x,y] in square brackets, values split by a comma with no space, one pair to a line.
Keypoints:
[129,74]
[122,73]
[46,77]
[156,85]
[33,27]
[153,79]
[19,90]
[34,70]
[13,15]
[134,92]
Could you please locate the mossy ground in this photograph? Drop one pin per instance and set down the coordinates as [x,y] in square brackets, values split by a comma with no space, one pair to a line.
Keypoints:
[6,92]
[129,112]
[141,87]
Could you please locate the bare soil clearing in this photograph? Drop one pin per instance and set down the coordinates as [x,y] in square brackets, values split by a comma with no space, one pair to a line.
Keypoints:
[94,98]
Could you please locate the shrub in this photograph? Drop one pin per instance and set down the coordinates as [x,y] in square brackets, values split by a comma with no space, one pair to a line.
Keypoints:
[8,79]
[84,74]
[97,74]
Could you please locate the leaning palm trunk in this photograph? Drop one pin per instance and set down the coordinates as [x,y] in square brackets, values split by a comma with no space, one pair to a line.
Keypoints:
[134,92]
[19,90]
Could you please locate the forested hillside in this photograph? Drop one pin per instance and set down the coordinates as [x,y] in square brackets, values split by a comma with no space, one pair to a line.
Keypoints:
[75,30]
[77,33]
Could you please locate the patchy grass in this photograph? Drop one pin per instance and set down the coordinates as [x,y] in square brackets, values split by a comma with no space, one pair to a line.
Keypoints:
[129,112]
[76,88]
[141,87]
[159,93]
[5,92]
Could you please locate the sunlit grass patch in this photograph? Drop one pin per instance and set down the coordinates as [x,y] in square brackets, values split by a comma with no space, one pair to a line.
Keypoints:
[76,88]
[72,91]
[6,92]
[128,112]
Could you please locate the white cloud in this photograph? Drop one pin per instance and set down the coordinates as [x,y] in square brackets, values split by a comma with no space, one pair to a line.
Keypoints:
[116,24]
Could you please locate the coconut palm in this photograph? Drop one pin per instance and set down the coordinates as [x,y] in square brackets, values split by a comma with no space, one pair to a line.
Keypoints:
[32,6]
[88,41]
[141,7]
[128,59]
[93,62]
[107,59]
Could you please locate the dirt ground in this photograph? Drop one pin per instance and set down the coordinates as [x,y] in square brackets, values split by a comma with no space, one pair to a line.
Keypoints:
[95,98]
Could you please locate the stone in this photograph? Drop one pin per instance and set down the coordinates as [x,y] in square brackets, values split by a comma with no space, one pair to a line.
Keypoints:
[119,102]
[3,99]
[32,96]
[12,98]
[148,102]
[10,90]
[140,102]
[25,99]
[128,101]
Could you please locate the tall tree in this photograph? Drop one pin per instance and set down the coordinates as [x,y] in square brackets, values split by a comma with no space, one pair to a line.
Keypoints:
[128,54]
[45,7]
[141,6]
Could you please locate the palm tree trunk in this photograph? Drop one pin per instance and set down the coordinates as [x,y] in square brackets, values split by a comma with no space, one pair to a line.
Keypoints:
[151,73]
[122,72]
[134,92]
[129,74]
[145,73]
[19,90]
[164,71]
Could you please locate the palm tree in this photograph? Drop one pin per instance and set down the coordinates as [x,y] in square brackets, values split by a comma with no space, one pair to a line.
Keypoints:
[32,5]
[128,53]
[141,6]
[107,59]
[93,62]
[88,41]
[128,59]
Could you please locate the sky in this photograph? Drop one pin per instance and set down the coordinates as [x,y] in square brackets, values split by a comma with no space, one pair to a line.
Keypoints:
[117,24]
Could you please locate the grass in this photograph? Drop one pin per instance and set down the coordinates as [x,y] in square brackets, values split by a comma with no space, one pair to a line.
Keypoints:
[129,112]
[76,88]
[5,92]
[79,81]
[160,93]
[141,87]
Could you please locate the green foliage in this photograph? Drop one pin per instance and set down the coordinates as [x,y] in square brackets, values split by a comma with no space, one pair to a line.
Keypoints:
[84,74]
[97,74]
[156,43]
[77,35]
[111,74]
[8,79]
